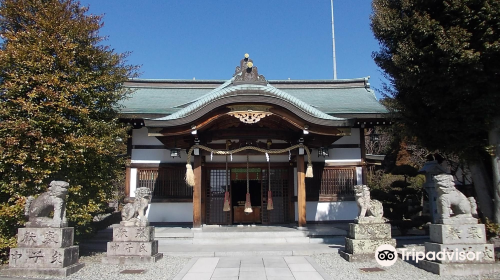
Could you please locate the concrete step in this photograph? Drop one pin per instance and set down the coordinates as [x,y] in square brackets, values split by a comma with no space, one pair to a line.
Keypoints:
[173,234]
[217,250]
[251,240]
[250,234]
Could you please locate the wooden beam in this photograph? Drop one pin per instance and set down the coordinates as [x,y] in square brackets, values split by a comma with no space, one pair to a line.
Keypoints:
[301,191]
[197,192]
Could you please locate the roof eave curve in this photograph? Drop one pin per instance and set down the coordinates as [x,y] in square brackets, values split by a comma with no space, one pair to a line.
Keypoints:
[248,94]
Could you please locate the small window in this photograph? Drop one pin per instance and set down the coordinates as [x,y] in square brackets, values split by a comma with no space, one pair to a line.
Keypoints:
[165,182]
[331,183]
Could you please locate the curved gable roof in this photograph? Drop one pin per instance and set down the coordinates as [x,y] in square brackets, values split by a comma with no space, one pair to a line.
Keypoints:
[248,90]
[160,98]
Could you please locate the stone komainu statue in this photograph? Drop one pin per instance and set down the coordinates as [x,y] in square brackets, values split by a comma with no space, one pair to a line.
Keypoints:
[449,198]
[54,200]
[134,213]
[368,208]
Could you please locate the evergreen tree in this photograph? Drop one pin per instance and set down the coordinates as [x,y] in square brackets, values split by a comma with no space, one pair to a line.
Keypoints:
[442,58]
[59,90]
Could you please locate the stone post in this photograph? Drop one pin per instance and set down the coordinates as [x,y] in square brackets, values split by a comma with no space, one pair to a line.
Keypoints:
[133,240]
[457,233]
[45,246]
[368,231]
[431,169]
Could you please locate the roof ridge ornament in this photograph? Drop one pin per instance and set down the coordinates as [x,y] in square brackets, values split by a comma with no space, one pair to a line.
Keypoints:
[247,73]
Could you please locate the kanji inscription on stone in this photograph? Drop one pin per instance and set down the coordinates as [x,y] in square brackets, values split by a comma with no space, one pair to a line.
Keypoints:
[36,255]
[15,256]
[29,237]
[50,237]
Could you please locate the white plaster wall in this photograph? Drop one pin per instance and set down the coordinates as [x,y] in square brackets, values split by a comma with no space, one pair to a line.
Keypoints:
[351,139]
[359,175]
[156,156]
[133,181]
[172,212]
[337,154]
[140,137]
[329,211]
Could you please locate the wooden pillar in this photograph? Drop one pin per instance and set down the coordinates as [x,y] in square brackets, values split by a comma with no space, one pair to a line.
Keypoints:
[197,192]
[363,154]
[301,191]
[127,179]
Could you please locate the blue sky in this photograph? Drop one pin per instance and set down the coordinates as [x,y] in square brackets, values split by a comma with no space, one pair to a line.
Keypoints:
[202,39]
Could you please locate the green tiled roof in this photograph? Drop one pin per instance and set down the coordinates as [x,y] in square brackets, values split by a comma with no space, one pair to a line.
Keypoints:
[340,100]
[255,90]
[331,97]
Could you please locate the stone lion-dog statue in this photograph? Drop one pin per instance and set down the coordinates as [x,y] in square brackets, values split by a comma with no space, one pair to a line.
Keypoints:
[53,200]
[452,201]
[134,213]
[370,210]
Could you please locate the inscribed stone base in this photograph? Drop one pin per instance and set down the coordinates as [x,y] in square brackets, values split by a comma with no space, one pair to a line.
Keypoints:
[357,257]
[143,234]
[45,237]
[459,269]
[457,221]
[45,222]
[366,246]
[369,231]
[59,272]
[485,252]
[132,248]
[43,257]
[457,234]
[370,220]
[132,259]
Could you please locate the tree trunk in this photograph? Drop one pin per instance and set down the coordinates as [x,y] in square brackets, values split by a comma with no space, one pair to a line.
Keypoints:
[494,139]
[482,186]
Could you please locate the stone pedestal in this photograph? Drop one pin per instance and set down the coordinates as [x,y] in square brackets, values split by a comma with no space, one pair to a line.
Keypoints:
[44,251]
[132,245]
[363,240]
[468,237]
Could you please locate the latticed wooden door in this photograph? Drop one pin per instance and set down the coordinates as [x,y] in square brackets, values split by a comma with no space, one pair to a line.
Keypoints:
[217,183]
[280,196]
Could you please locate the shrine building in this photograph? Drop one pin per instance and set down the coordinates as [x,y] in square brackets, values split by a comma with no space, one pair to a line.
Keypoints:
[249,150]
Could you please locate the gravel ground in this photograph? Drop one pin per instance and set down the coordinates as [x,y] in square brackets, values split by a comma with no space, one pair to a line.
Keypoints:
[165,268]
[338,268]
[333,264]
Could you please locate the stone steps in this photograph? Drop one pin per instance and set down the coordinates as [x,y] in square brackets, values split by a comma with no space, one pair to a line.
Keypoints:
[234,237]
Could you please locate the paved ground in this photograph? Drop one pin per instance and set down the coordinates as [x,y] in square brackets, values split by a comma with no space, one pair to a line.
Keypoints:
[252,268]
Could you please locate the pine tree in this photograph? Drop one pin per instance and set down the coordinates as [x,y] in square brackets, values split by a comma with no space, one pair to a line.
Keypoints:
[59,90]
[442,58]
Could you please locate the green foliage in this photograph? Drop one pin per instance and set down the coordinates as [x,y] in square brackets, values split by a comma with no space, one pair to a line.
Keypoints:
[59,90]
[401,196]
[442,59]
[492,229]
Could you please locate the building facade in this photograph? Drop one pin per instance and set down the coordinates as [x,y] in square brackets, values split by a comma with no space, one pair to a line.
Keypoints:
[249,140]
